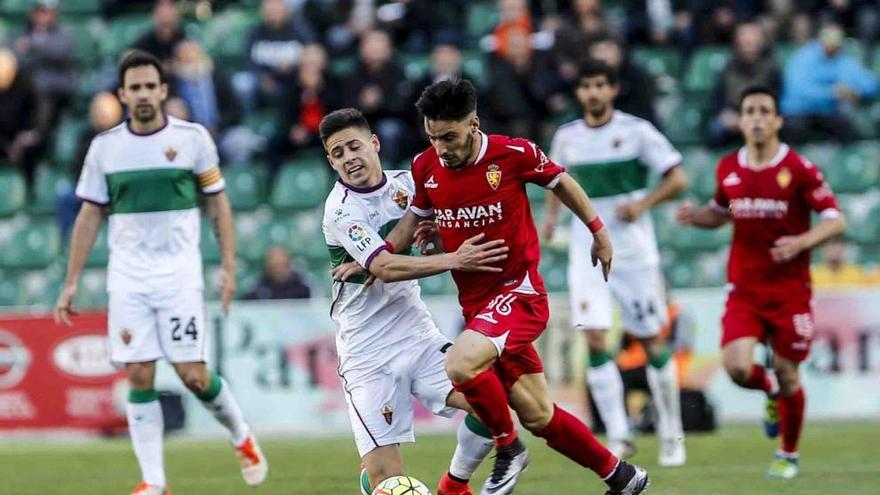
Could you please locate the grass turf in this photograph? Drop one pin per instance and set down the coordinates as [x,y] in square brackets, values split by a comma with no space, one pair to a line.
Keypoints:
[836,458]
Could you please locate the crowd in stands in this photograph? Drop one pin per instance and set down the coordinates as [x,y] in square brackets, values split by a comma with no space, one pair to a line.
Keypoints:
[260,74]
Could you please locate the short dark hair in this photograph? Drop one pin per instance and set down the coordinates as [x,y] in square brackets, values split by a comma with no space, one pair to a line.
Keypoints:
[759,90]
[450,99]
[342,119]
[591,67]
[138,58]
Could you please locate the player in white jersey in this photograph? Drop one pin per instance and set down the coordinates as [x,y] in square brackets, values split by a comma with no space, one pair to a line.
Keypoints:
[389,347]
[146,175]
[612,154]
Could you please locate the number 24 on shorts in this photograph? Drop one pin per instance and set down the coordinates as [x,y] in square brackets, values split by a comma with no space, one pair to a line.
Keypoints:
[189,330]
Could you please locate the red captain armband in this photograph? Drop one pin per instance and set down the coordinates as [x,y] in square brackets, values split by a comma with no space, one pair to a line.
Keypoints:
[595,225]
[389,246]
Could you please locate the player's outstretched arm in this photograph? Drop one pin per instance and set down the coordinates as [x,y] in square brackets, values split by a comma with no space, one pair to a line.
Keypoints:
[219,213]
[573,196]
[674,182]
[402,235]
[710,216]
[472,256]
[82,239]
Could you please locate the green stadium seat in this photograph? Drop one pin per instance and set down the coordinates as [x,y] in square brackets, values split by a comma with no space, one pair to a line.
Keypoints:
[246,186]
[100,253]
[342,67]
[121,32]
[277,231]
[683,120]
[8,30]
[225,35]
[680,273]
[822,154]
[554,269]
[703,184]
[658,61]
[705,66]
[12,190]
[14,8]
[783,52]
[665,229]
[80,7]
[438,285]
[262,121]
[307,240]
[854,168]
[32,245]
[40,287]
[694,239]
[862,212]
[47,183]
[84,40]
[66,143]
[208,243]
[300,184]
[11,293]
[416,66]
[475,67]
[481,18]
[92,292]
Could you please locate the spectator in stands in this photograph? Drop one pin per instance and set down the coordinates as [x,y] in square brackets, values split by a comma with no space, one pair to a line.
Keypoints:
[177,107]
[47,50]
[105,111]
[752,64]
[836,268]
[514,19]
[379,88]
[274,49]
[822,84]
[636,87]
[206,91]
[575,36]
[445,64]
[313,94]
[23,121]
[523,88]
[280,280]
[165,34]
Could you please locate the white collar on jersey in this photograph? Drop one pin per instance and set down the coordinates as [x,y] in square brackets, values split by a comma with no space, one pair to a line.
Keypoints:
[742,156]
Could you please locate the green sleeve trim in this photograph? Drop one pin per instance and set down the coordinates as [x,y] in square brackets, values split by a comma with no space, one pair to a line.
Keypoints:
[660,360]
[598,359]
[476,426]
[142,396]
[213,389]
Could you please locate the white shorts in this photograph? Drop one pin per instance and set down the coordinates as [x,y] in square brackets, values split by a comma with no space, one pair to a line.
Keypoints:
[639,291]
[380,399]
[148,326]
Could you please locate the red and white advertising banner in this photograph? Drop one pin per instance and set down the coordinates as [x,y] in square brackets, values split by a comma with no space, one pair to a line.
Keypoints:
[54,376]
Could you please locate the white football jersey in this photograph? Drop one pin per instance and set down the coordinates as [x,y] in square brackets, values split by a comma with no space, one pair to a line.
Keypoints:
[612,163]
[150,184]
[370,320]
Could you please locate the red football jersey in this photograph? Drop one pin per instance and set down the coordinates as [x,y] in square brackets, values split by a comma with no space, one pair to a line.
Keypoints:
[764,206]
[488,196]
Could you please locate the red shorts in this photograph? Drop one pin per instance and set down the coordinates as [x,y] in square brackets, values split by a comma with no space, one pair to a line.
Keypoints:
[513,321]
[786,325]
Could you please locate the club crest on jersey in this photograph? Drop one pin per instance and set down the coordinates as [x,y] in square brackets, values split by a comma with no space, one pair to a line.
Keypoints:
[170,153]
[401,198]
[388,413]
[125,336]
[783,178]
[493,175]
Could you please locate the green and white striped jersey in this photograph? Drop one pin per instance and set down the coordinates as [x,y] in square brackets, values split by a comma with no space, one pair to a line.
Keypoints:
[150,184]
[613,163]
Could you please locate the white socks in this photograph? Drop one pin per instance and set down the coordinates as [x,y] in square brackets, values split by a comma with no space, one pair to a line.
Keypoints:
[225,410]
[145,426]
[667,401]
[474,444]
[606,388]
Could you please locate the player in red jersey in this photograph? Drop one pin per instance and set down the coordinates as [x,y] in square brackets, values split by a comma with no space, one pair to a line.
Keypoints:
[472,183]
[768,191]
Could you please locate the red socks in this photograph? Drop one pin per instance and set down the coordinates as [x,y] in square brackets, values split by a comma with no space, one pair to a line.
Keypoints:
[570,437]
[759,380]
[486,395]
[791,419]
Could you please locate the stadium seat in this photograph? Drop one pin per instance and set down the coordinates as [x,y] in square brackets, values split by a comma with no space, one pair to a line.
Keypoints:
[665,228]
[14,8]
[100,253]
[225,35]
[208,243]
[474,67]
[262,121]
[66,143]
[854,168]
[40,287]
[84,41]
[680,274]
[47,183]
[694,239]
[92,292]
[862,212]
[481,18]
[12,190]
[307,240]
[11,293]
[277,231]
[415,66]
[682,119]
[80,7]
[554,269]
[121,32]
[246,186]
[822,154]
[32,245]
[658,61]
[705,66]
[300,184]
[342,67]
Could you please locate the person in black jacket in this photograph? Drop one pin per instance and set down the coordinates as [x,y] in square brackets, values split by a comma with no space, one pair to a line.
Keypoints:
[280,280]
[636,93]
[165,34]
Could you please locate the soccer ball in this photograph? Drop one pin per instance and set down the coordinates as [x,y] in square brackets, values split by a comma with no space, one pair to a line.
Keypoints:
[401,485]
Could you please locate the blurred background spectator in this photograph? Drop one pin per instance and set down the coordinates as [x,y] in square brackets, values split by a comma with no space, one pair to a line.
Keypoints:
[822,86]
[280,280]
[165,33]
[837,268]
[635,86]
[23,115]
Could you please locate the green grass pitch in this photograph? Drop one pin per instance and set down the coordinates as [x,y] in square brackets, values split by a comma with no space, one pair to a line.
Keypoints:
[836,458]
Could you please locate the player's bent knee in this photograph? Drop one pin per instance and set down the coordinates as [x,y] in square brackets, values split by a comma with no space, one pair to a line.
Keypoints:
[195,383]
[140,375]
[459,370]
[537,421]
[737,372]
